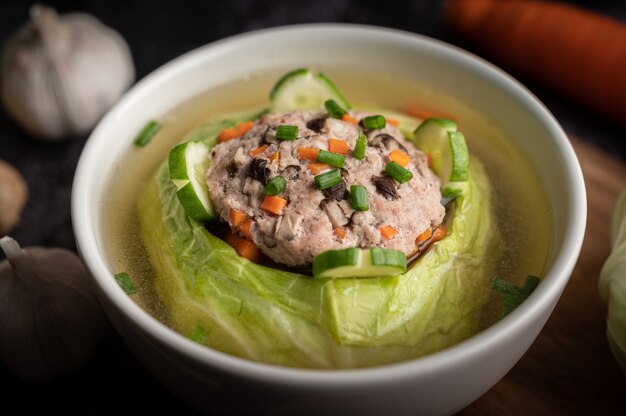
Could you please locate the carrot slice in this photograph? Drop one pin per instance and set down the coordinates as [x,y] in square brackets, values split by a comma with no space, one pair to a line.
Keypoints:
[243,127]
[316,168]
[393,122]
[237,217]
[308,153]
[339,232]
[429,160]
[273,157]
[439,233]
[273,204]
[388,232]
[245,248]
[258,150]
[425,235]
[399,157]
[227,134]
[338,146]
[349,119]
[423,113]
[245,229]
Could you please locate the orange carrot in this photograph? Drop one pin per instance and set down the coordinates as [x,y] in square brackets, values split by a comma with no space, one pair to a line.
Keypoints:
[393,122]
[339,232]
[237,217]
[243,127]
[228,134]
[273,156]
[425,235]
[573,51]
[308,153]
[245,229]
[399,157]
[245,248]
[316,168]
[429,160]
[258,150]
[388,232]
[338,146]
[423,113]
[273,204]
[439,233]
[349,119]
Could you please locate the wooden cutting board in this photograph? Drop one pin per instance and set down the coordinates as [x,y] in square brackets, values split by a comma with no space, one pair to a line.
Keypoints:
[569,370]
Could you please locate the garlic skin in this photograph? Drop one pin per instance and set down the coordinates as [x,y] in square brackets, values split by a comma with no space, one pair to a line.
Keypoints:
[13,195]
[60,74]
[50,319]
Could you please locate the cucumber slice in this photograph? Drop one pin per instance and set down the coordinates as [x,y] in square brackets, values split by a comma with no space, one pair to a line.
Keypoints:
[447,148]
[301,89]
[188,163]
[359,262]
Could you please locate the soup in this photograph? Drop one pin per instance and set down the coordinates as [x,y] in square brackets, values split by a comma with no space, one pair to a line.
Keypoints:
[518,205]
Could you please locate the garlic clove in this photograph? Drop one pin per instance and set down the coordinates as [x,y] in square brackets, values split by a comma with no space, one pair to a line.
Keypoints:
[50,319]
[13,195]
[61,73]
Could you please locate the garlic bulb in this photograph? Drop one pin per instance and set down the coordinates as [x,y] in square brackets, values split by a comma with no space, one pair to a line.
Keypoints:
[61,73]
[50,319]
[13,194]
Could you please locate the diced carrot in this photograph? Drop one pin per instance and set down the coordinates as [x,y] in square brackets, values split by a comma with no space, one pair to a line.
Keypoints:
[425,235]
[273,204]
[429,159]
[243,127]
[388,232]
[439,233]
[258,150]
[399,157]
[393,122]
[316,168]
[273,157]
[308,153]
[228,134]
[349,119]
[339,232]
[245,248]
[237,217]
[423,113]
[338,146]
[245,229]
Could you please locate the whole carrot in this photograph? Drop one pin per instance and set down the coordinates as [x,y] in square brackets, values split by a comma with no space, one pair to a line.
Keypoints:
[574,51]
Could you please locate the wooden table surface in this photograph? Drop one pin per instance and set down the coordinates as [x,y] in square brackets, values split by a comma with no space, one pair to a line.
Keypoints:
[569,370]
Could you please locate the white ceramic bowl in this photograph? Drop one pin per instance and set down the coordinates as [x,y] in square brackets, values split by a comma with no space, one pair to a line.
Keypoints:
[440,383]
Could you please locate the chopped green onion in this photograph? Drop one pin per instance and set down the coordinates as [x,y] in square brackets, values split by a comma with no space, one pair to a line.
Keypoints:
[285,132]
[123,279]
[374,122]
[334,109]
[199,334]
[359,147]
[358,197]
[275,186]
[333,159]
[147,133]
[452,193]
[397,172]
[328,179]
[514,295]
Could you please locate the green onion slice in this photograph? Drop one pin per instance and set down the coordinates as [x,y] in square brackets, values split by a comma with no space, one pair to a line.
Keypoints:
[333,159]
[147,133]
[513,294]
[334,109]
[286,132]
[358,197]
[199,334]
[328,179]
[123,279]
[275,186]
[374,122]
[400,174]
[359,147]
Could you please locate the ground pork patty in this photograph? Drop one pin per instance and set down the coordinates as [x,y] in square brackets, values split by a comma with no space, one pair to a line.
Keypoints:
[306,226]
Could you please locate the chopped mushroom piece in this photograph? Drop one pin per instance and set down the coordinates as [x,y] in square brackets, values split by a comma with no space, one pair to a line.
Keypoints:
[387,141]
[287,226]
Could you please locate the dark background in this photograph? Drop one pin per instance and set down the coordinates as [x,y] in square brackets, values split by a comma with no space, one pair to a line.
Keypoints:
[157,32]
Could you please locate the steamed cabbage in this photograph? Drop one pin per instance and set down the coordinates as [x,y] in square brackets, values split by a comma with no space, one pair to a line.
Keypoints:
[290,319]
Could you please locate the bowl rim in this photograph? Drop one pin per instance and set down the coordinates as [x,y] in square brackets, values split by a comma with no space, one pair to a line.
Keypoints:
[550,289]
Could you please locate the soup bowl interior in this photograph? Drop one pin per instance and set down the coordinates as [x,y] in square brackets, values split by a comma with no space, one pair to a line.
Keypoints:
[439,383]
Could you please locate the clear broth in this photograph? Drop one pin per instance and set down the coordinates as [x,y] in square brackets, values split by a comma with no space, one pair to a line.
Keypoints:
[520,204]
